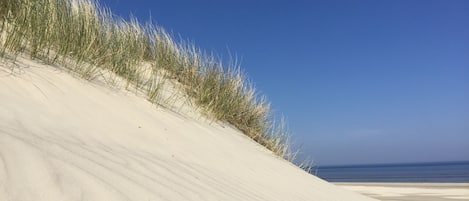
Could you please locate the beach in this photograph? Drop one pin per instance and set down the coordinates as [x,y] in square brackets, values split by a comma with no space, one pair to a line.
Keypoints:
[96,106]
[411,191]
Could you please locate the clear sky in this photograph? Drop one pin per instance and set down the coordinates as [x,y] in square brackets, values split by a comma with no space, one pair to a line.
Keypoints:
[359,82]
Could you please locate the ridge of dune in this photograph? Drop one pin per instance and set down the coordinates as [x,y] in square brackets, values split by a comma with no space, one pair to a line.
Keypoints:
[64,138]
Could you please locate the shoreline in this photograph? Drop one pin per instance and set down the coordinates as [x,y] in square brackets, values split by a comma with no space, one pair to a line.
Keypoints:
[410,191]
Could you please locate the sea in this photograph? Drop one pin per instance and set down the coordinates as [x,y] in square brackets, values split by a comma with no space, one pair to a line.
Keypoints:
[436,172]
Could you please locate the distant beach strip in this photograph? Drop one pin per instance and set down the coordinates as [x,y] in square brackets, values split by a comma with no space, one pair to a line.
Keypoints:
[411,191]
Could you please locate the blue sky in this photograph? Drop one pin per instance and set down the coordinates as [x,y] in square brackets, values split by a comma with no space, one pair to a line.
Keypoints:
[359,81]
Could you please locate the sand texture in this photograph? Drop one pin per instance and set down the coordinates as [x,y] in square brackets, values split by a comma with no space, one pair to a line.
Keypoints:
[412,191]
[64,138]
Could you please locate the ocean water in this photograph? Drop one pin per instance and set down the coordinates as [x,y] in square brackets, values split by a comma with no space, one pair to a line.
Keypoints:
[442,172]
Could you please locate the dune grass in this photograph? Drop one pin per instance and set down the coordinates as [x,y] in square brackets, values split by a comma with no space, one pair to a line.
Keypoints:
[86,38]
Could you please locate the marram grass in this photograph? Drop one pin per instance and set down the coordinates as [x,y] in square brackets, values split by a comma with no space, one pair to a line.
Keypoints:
[86,38]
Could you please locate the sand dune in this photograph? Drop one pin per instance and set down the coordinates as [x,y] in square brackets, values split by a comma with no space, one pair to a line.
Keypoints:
[63,138]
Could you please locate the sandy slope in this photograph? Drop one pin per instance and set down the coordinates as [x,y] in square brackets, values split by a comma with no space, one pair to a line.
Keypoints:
[62,138]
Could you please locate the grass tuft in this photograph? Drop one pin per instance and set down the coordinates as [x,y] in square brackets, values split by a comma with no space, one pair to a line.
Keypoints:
[87,39]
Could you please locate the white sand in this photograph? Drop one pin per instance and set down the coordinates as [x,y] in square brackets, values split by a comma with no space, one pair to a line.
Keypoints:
[62,138]
[411,191]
